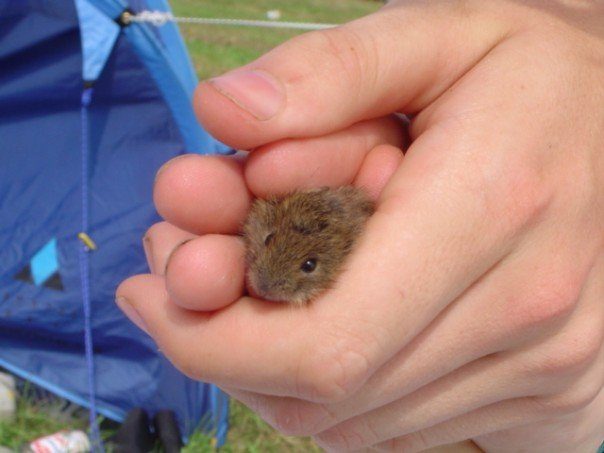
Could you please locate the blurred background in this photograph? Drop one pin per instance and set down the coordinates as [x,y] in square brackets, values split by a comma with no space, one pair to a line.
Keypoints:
[213,49]
[216,49]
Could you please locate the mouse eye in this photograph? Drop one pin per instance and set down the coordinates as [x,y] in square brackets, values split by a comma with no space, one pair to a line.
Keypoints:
[309,265]
[268,239]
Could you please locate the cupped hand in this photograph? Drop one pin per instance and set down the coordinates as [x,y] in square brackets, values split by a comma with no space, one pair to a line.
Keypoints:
[472,305]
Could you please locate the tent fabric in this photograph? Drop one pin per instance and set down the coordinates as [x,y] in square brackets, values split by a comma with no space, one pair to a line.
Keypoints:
[133,130]
[178,55]
[175,80]
[98,34]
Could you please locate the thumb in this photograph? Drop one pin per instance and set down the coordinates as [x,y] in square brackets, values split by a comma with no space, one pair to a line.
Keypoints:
[398,59]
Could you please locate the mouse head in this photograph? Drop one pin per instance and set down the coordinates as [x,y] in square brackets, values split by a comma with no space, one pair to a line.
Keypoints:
[296,245]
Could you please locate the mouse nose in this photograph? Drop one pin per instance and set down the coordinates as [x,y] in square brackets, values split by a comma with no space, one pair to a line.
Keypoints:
[263,284]
[268,288]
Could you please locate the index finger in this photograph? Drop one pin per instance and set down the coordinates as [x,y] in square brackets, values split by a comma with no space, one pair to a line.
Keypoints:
[211,194]
[202,194]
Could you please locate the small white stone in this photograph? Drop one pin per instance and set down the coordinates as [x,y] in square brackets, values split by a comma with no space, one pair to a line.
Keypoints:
[273,14]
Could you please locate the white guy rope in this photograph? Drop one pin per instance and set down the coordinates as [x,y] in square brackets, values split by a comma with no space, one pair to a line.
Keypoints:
[159,18]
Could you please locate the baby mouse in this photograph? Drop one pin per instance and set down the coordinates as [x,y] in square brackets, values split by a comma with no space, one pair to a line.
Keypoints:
[296,245]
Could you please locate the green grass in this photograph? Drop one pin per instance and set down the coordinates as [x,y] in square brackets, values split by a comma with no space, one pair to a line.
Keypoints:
[33,421]
[248,433]
[39,416]
[214,50]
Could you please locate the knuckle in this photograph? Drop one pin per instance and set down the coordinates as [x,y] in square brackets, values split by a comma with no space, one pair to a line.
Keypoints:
[351,435]
[334,368]
[587,346]
[557,300]
[346,437]
[527,196]
[517,193]
[582,397]
[334,438]
[552,299]
[296,418]
[286,418]
[506,188]
[573,400]
[373,432]
[572,354]
[388,446]
[347,53]
[414,442]
[336,374]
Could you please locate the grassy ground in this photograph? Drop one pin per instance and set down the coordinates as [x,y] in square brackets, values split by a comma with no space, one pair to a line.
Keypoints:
[249,434]
[40,417]
[214,50]
[40,414]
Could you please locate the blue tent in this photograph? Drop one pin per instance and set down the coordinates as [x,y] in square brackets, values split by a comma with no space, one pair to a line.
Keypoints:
[90,108]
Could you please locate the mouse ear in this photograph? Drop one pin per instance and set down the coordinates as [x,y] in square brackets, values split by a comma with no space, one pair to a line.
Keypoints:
[336,206]
[334,201]
[261,214]
[352,200]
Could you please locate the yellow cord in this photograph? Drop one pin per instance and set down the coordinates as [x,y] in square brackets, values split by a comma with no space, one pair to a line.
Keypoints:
[87,240]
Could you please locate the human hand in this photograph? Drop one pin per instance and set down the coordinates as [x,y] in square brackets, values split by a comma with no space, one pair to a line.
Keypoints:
[472,307]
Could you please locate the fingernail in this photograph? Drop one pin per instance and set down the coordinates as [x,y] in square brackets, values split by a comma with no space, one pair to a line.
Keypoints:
[131,313]
[167,164]
[257,92]
[147,246]
[172,254]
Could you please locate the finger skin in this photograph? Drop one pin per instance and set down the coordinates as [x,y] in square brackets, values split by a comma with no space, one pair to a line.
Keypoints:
[348,350]
[202,194]
[524,414]
[329,161]
[425,384]
[327,80]
[342,358]
[190,191]
[487,381]
[148,297]
[378,167]
[206,273]
[552,433]
[245,335]
[578,414]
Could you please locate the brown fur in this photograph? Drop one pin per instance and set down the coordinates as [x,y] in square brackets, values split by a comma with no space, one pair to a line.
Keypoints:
[317,224]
